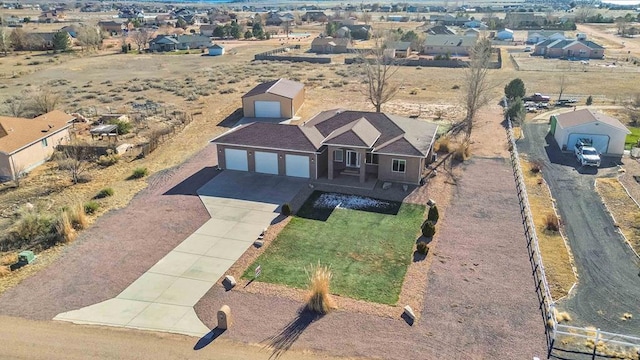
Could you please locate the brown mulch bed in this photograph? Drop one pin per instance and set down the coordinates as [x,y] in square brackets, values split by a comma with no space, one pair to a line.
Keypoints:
[480,299]
[120,246]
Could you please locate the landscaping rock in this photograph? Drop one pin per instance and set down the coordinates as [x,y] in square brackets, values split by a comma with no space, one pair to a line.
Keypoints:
[258,243]
[386,185]
[409,312]
[229,282]
[431,202]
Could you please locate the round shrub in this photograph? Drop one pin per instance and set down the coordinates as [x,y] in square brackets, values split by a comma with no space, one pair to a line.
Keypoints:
[91,207]
[433,214]
[286,209]
[428,229]
[423,248]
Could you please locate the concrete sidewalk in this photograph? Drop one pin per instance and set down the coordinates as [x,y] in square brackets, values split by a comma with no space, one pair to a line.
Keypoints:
[241,206]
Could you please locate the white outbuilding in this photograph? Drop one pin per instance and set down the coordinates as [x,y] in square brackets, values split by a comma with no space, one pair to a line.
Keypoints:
[605,133]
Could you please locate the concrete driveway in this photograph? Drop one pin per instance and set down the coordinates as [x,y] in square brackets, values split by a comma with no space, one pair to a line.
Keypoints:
[608,284]
[241,206]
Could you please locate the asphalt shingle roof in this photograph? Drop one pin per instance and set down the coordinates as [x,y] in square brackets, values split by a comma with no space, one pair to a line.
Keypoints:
[281,87]
[585,116]
[16,133]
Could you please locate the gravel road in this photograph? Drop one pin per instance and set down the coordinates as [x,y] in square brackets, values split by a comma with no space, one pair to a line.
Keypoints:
[608,271]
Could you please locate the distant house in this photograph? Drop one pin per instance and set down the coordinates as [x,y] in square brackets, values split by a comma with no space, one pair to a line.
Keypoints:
[276,19]
[534,37]
[179,42]
[472,32]
[71,30]
[355,32]
[519,20]
[453,45]
[447,19]
[42,40]
[27,143]
[401,49]
[569,49]
[505,35]
[216,50]
[186,15]
[329,45]
[51,16]
[315,16]
[113,27]
[440,30]
[475,24]
[220,18]
[207,29]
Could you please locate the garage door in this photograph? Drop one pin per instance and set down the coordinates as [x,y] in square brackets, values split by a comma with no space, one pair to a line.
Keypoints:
[266,162]
[268,109]
[600,142]
[236,159]
[297,165]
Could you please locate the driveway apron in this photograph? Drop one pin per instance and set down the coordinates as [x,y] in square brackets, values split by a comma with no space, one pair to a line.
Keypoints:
[241,206]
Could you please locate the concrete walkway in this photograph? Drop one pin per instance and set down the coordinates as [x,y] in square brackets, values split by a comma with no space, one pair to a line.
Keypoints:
[241,206]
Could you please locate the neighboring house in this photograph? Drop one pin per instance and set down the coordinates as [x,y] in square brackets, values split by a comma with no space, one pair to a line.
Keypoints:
[355,32]
[207,29]
[607,134]
[27,143]
[113,27]
[569,49]
[472,32]
[401,49]
[534,37]
[329,45]
[71,30]
[220,18]
[475,24]
[440,30]
[216,50]
[454,45]
[315,16]
[333,144]
[276,19]
[43,41]
[179,42]
[524,19]
[51,16]
[505,35]
[186,15]
[275,99]
[449,20]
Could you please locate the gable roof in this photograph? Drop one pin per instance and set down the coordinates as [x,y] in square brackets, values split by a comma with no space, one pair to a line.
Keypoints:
[440,30]
[17,133]
[330,41]
[450,40]
[399,45]
[563,43]
[357,133]
[272,136]
[281,87]
[585,116]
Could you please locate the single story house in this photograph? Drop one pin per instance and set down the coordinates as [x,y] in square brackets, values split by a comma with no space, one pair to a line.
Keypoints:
[216,50]
[332,144]
[207,29]
[569,48]
[448,19]
[179,42]
[401,49]
[440,30]
[475,24]
[276,99]
[316,16]
[329,45]
[114,27]
[505,35]
[27,143]
[607,134]
[355,32]
[534,37]
[51,16]
[454,45]
[472,32]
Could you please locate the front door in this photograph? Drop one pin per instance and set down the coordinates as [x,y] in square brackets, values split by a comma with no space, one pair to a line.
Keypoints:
[353,159]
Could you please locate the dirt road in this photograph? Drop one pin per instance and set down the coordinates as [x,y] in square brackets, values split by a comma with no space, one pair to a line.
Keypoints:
[26,339]
[622,45]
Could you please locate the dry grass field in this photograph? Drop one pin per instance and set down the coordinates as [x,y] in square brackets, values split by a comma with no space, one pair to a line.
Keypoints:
[623,209]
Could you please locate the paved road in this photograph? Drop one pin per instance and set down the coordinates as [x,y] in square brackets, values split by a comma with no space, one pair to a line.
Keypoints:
[241,205]
[47,340]
[609,282]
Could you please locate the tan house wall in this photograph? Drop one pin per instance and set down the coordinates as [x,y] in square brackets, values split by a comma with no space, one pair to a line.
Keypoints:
[298,100]
[281,158]
[443,50]
[248,104]
[412,174]
[36,154]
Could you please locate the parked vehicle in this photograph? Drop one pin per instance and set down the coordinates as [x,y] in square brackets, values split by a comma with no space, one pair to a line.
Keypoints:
[537,97]
[586,154]
[542,105]
[527,49]
[566,102]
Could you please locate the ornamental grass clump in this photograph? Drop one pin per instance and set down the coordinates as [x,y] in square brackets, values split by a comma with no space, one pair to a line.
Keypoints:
[318,299]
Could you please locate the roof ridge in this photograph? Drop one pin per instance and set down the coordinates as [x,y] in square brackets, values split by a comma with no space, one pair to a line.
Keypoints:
[274,84]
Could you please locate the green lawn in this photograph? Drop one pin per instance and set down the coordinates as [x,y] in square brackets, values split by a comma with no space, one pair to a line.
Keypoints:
[368,251]
[632,139]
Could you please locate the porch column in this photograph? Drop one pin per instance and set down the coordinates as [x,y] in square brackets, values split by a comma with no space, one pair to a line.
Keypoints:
[363,165]
[330,162]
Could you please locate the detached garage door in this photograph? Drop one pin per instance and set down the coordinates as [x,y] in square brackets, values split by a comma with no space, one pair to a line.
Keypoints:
[267,109]
[266,162]
[600,142]
[236,159]
[297,166]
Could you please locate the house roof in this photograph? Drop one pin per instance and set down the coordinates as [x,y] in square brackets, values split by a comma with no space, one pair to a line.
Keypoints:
[544,33]
[17,133]
[330,41]
[357,133]
[281,87]
[273,136]
[216,46]
[586,116]
[450,40]
[400,45]
[561,44]
[440,30]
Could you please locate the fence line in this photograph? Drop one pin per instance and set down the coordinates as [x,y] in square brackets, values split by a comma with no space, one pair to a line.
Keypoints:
[553,329]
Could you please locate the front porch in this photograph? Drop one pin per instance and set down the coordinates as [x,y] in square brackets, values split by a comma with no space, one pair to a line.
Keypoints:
[349,178]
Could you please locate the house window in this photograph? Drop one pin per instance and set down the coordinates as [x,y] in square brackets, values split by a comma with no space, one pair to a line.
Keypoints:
[338,155]
[371,159]
[398,165]
[44,142]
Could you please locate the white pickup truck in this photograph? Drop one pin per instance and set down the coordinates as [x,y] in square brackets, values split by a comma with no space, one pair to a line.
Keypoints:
[586,155]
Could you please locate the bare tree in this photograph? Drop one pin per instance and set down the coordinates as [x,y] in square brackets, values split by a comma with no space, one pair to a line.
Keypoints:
[378,72]
[622,25]
[583,13]
[366,17]
[477,82]
[5,41]
[44,100]
[286,27]
[562,84]
[75,159]
[89,37]
[141,38]
[15,105]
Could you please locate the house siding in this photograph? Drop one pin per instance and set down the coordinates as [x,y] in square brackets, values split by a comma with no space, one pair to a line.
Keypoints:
[281,158]
[412,174]
[248,103]
[33,155]
[617,137]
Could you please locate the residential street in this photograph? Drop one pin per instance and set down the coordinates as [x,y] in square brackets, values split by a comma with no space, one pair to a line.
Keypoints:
[608,271]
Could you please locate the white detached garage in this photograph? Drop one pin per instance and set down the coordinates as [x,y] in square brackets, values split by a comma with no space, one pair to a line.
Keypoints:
[606,133]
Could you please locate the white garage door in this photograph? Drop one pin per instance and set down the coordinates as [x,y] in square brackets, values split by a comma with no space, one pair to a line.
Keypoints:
[297,166]
[267,109]
[236,159]
[600,142]
[266,162]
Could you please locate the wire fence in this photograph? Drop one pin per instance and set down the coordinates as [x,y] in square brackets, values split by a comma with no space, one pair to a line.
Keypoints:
[586,342]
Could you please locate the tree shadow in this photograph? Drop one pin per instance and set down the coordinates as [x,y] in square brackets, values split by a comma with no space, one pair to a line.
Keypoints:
[283,341]
[208,338]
